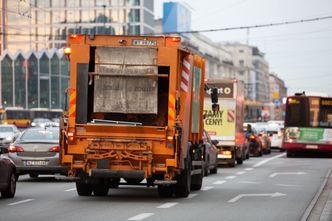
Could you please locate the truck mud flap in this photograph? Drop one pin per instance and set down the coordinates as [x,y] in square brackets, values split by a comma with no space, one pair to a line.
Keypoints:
[196,167]
[106,173]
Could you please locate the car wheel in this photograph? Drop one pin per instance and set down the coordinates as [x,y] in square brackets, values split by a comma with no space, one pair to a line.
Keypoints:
[9,192]
[214,170]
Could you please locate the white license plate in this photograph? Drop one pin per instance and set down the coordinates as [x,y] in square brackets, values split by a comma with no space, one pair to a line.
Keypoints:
[36,163]
[311,146]
[223,156]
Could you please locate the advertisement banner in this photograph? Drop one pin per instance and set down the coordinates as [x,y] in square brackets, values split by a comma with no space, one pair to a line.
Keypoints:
[316,135]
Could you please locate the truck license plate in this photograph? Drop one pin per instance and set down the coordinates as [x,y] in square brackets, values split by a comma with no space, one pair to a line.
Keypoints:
[36,163]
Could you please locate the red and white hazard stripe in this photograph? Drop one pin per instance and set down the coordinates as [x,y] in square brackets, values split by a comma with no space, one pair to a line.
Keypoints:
[185,74]
[230,115]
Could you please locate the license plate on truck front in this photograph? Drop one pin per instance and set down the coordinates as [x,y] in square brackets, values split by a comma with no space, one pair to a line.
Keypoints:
[35,163]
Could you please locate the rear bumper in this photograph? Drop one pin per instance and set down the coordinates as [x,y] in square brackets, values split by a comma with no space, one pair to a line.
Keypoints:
[106,173]
[41,169]
[311,147]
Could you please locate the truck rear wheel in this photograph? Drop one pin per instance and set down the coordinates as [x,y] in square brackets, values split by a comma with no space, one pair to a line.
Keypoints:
[182,188]
[165,191]
[83,189]
[100,189]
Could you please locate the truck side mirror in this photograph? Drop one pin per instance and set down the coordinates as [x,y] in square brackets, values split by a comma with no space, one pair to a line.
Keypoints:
[215,108]
[214,95]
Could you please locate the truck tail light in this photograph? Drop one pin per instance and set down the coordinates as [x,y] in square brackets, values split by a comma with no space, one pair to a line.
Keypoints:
[71,137]
[169,141]
[54,149]
[14,149]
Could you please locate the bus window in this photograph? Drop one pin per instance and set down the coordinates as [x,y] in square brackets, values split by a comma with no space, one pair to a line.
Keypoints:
[326,113]
[296,112]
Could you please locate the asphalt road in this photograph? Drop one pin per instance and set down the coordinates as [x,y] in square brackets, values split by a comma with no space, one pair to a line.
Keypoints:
[271,187]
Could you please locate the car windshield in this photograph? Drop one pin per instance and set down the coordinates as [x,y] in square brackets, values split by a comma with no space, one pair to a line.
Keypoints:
[6,129]
[41,135]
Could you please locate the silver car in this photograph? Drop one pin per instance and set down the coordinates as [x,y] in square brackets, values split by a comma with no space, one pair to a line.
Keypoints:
[36,151]
[8,133]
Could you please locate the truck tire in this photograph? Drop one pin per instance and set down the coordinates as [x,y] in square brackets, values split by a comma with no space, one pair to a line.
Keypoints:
[83,189]
[182,188]
[197,180]
[165,191]
[100,189]
[9,192]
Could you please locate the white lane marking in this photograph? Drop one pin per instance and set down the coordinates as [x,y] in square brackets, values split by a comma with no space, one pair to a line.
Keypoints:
[166,205]
[287,173]
[72,189]
[206,188]
[192,195]
[276,194]
[248,169]
[141,216]
[230,177]
[20,202]
[241,172]
[219,182]
[269,159]
[287,185]
[249,182]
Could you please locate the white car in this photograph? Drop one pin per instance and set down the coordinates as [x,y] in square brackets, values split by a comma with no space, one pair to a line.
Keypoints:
[276,133]
[8,134]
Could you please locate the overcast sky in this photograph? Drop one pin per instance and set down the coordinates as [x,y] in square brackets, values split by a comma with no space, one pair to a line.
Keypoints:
[300,54]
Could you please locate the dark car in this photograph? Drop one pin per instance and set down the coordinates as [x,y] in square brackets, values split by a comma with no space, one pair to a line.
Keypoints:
[36,151]
[211,152]
[7,175]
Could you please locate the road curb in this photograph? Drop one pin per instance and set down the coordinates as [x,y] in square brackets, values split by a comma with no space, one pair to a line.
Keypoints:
[317,205]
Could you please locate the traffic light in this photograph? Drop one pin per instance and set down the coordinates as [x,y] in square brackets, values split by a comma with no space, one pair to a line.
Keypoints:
[214,95]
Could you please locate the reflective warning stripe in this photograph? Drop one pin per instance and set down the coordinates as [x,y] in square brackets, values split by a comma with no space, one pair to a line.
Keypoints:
[72,103]
[185,74]
[230,116]
[171,108]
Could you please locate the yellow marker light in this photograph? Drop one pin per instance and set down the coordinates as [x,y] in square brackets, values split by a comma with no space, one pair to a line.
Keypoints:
[67,50]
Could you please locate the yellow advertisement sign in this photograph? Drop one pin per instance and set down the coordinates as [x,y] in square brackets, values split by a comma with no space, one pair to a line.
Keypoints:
[220,123]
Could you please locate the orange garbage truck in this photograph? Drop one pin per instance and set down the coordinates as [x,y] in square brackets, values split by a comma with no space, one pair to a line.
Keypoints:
[135,107]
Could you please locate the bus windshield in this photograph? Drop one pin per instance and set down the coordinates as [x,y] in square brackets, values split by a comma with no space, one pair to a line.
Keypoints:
[312,112]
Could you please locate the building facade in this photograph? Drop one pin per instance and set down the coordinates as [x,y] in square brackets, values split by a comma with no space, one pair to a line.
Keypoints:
[177,18]
[39,24]
[34,79]
[252,67]
[278,93]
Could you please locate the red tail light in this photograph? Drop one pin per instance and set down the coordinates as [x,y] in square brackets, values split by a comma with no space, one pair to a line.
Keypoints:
[14,149]
[54,149]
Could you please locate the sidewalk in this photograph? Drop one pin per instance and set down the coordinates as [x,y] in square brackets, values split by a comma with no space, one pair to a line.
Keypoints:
[322,206]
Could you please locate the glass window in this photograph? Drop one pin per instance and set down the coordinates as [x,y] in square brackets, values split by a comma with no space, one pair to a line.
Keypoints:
[134,15]
[134,30]
[44,93]
[20,66]
[55,89]
[133,2]
[7,81]
[32,81]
